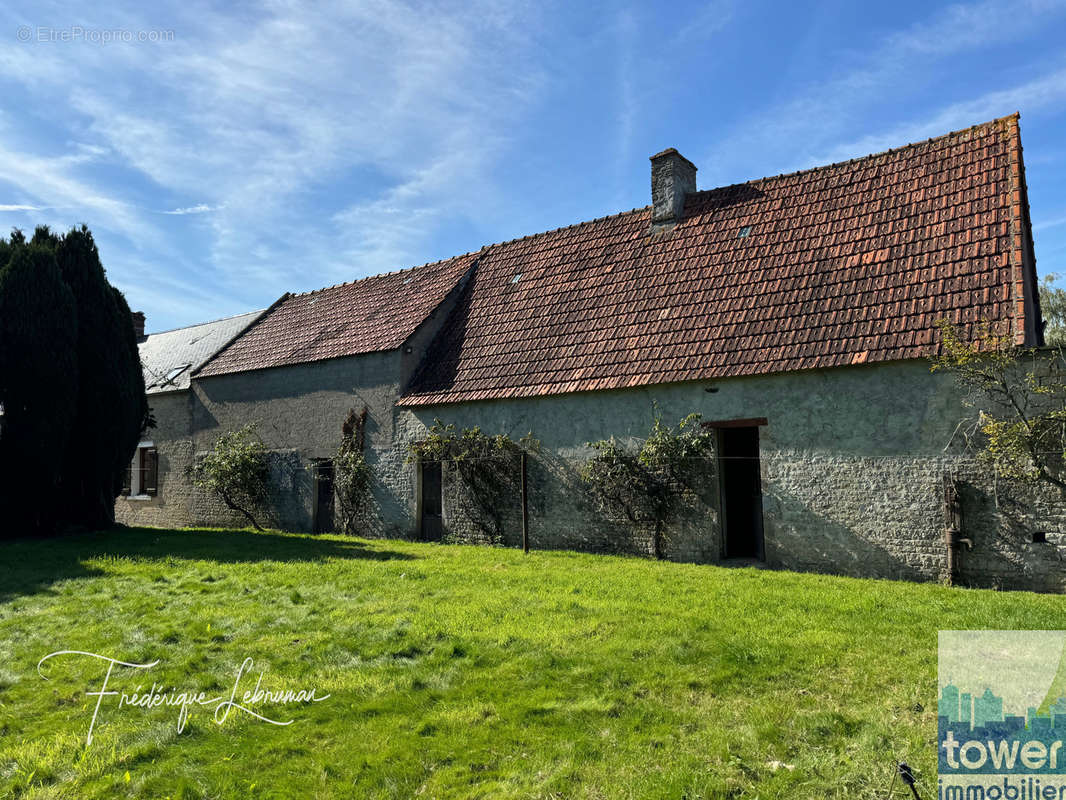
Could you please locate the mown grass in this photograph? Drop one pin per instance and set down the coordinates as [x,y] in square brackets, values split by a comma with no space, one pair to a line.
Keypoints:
[468,672]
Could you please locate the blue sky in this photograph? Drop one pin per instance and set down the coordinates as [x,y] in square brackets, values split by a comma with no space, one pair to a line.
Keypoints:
[243,150]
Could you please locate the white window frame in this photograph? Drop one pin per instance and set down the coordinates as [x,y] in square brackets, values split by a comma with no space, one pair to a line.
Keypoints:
[135,473]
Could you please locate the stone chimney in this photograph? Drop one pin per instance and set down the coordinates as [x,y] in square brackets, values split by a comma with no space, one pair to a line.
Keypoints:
[138,324]
[672,177]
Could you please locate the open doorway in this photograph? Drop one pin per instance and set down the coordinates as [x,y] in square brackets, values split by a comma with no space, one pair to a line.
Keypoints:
[431,523]
[323,511]
[741,492]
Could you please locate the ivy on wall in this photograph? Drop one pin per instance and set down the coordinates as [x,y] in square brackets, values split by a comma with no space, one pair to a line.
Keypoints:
[352,473]
[487,468]
[651,483]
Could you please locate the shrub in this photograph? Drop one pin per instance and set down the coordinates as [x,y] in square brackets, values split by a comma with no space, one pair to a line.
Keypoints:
[236,472]
[1019,396]
[486,466]
[650,484]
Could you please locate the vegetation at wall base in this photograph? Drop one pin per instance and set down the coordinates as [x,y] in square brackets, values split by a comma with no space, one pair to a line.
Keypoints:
[71,391]
[469,672]
[236,472]
[352,474]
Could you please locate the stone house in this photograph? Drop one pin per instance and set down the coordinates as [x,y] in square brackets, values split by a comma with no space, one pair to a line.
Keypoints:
[156,491]
[794,313]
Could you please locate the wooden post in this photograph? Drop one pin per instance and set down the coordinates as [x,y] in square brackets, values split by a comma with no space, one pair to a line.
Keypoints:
[525,507]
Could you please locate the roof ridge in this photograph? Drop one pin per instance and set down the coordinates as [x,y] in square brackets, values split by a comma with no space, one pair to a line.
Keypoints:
[617,214]
[477,252]
[386,274]
[566,227]
[201,324]
[1015,115]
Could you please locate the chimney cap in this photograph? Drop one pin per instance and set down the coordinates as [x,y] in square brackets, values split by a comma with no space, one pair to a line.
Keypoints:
[138,319]
[671,151]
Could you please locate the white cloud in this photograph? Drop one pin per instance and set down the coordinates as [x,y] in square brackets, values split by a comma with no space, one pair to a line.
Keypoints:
[321,142]
[19,207]
[823,117]
[202,208]
[1033,96]
[1043,225]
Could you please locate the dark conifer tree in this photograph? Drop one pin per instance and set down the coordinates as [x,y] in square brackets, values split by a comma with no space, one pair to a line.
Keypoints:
[70,384]
[111,403]
[38,385]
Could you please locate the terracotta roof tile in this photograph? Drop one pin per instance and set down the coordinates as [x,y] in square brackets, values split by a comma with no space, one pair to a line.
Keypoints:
[847,264]
[365,316]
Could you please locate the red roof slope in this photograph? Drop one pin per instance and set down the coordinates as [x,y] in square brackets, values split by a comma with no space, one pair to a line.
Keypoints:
[368,315]
[839,265]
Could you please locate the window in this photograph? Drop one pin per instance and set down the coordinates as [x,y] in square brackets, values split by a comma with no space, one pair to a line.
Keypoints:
[142,477]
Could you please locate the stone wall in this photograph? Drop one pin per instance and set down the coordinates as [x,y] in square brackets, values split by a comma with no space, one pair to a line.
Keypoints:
[172,438]
[298,411]
[852,464]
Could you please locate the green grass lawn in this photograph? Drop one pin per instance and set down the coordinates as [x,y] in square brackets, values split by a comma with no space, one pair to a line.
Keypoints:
[467,672]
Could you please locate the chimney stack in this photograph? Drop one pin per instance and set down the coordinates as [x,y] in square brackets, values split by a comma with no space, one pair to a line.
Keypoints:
[672,177]
[138,324]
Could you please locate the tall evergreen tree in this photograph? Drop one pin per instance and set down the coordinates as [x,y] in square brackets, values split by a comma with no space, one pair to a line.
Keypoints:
[111,406]
[38,384]
[70,383]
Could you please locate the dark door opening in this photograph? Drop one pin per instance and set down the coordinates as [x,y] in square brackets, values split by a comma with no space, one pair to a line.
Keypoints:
[323,521]
[432,523]
[738,465]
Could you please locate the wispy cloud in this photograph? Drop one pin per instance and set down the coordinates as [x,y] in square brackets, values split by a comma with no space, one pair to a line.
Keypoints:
[1044,225]
[818,122]
[339,140]
[19,207]
[1033,96]
[202,208]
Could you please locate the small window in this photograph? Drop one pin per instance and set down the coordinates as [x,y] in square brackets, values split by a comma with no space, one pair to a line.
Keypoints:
[172,375]
[744,232]
[516,278]
[141,479]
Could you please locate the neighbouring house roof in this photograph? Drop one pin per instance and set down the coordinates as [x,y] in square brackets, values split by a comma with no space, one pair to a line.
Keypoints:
[846,264]
[365,316]
[168,358]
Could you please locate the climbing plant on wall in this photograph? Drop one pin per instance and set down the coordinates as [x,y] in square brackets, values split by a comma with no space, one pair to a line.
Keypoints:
[352,473]
[1018,396]
[650,483]
[487,468]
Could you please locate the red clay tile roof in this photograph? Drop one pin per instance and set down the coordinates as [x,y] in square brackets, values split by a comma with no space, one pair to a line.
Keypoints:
[368,315]
[847,264]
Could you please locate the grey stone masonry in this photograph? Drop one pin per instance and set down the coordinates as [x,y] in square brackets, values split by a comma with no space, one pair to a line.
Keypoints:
[852,463]
[672,177]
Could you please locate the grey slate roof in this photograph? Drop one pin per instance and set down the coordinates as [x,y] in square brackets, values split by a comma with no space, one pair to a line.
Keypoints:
[169,357]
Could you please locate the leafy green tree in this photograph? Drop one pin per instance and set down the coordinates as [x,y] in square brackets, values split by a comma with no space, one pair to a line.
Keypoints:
[1019,400]
[1053,308]
[236,471]
[38,385]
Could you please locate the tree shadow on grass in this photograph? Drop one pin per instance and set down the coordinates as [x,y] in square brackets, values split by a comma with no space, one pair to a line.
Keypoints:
[33,565]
